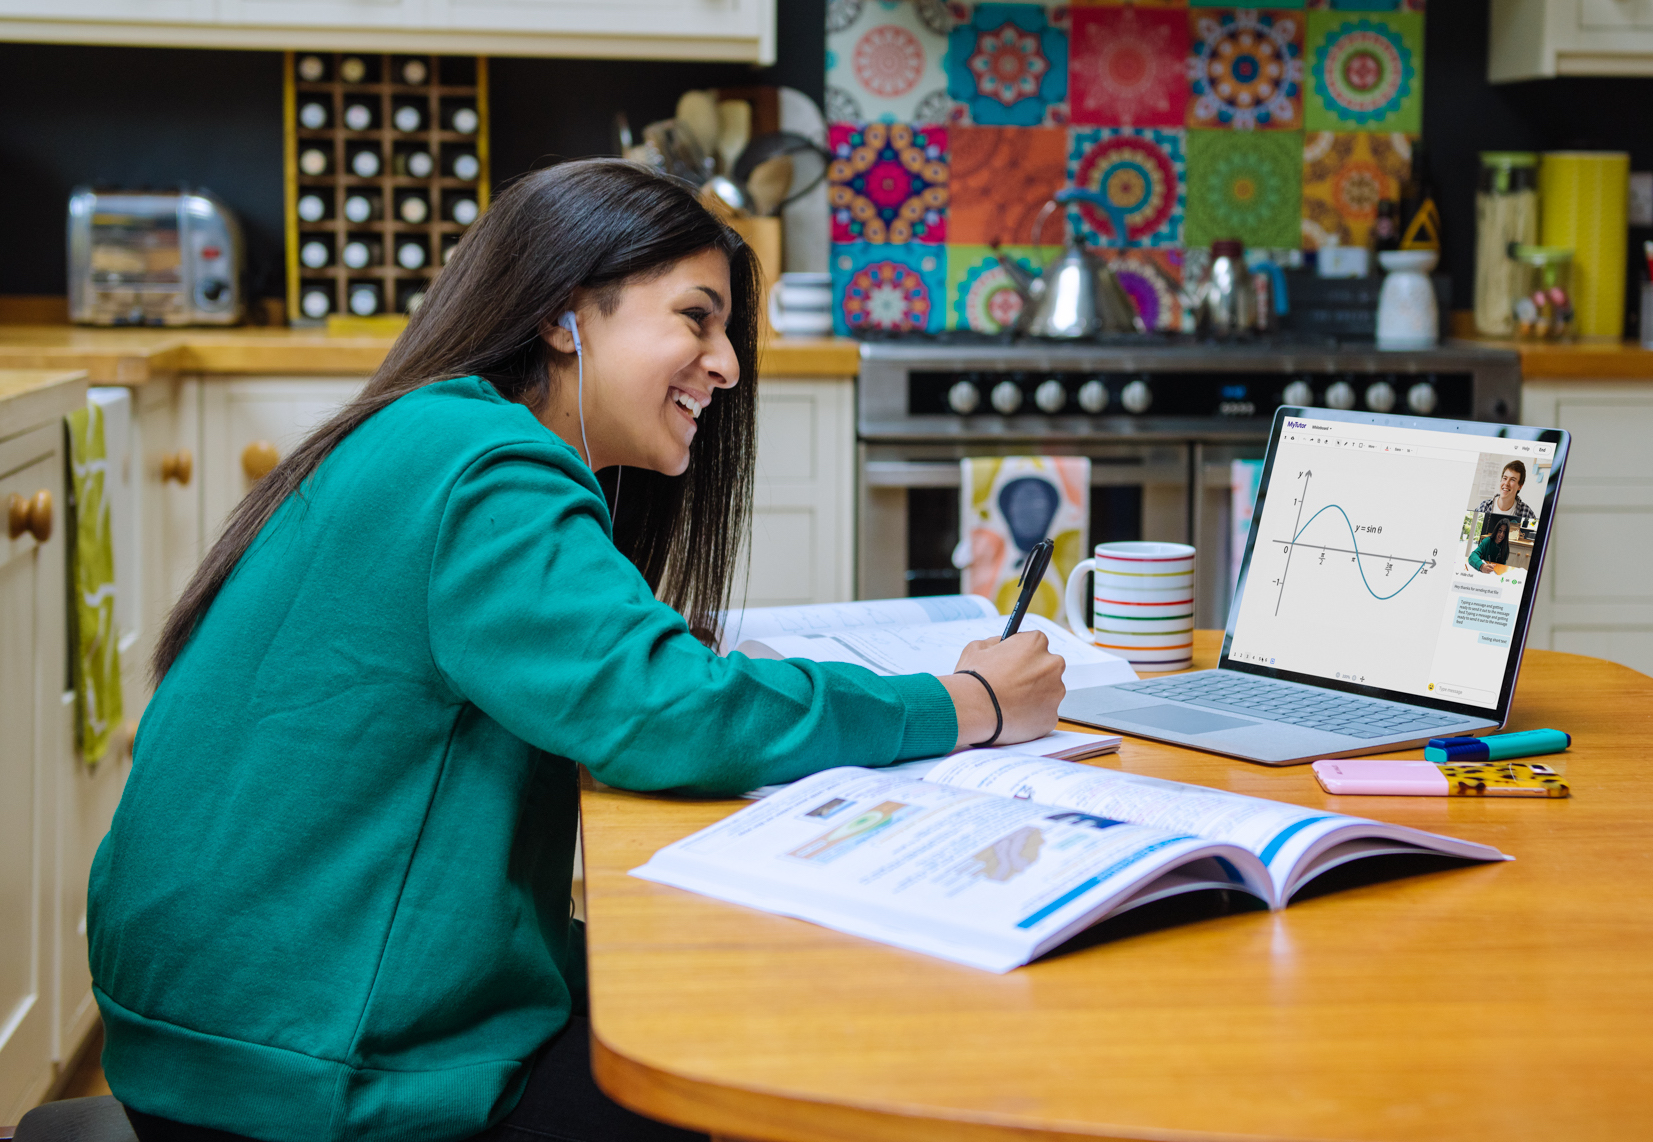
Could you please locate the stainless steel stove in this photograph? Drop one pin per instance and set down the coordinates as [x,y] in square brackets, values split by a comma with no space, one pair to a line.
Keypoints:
[1162,419]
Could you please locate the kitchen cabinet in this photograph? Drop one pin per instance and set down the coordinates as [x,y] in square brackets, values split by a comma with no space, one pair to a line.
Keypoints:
[742,30]
[1541,39]
[1596,596]
[802,548]
[248,424]
[33,751]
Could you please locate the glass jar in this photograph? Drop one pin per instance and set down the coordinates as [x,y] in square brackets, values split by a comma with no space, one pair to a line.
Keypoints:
[1506,216]
[1541,304]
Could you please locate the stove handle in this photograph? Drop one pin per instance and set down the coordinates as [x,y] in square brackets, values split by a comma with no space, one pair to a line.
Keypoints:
[910,474]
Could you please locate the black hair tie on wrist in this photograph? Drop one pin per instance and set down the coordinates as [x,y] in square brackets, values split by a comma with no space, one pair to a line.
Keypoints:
[998,714]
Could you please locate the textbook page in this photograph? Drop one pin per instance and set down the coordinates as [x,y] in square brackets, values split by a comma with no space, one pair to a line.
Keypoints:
[983,880]
[934,648]
[1293,842]
[766,622]
[1064,744]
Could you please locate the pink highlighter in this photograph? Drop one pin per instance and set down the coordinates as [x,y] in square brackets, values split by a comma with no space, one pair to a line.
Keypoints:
[1427,779]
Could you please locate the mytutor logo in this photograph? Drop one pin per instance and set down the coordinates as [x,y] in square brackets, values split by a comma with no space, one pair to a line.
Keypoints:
[1296,424]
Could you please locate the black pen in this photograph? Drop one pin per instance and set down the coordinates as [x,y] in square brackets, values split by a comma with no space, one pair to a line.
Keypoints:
[1033,573]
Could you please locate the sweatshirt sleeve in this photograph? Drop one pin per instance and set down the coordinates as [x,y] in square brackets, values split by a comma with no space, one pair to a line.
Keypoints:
[537,619]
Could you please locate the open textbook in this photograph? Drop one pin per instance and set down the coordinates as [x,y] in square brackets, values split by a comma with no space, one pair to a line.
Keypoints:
[905,636]
[992,858]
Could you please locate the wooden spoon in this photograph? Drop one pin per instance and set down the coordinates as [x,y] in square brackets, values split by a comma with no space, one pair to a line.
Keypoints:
[734,131]
[697,111]
[768,184]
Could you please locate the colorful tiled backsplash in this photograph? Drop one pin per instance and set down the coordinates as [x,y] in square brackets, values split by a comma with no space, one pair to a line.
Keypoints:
[954,123]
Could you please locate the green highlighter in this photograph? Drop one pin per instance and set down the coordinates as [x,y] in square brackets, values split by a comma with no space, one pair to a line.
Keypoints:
[1498,747]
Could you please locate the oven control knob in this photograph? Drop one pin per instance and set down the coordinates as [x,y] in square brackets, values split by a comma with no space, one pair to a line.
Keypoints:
[1421,398]
[1298,393]
[1050,396]
[1007,397]
[1380,396]
[1093,397]
[1136,397]
[1340,395]
[963,398]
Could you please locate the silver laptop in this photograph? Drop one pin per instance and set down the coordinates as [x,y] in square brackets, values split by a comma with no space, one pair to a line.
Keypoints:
[1384,600]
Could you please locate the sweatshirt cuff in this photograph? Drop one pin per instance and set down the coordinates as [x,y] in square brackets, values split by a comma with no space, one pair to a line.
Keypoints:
[931,725]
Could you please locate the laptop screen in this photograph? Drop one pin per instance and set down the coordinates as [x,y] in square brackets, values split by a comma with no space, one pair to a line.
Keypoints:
[1390,557]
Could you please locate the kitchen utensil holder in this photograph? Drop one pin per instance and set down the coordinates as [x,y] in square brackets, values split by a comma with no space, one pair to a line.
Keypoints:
[450,82]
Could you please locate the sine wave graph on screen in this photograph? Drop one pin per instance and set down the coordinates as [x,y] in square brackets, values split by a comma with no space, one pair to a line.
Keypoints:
[1419,566]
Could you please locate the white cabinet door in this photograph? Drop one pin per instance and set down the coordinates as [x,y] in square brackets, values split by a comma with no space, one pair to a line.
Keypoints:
[689,19]
[614,29]
[241,416]
[1537,39]
[325,13]
[32,679]
[802,528]
[167,451]
[1595,596]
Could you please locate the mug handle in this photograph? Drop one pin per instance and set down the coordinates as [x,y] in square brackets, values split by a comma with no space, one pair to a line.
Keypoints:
[1079,609]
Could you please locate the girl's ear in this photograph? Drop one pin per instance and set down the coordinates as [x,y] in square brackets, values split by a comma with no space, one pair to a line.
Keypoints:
[557,337]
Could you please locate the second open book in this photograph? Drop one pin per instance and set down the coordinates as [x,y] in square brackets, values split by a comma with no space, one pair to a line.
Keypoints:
[992,857]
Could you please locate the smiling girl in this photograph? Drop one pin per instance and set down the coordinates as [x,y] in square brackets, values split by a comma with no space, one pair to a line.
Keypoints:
[334,903]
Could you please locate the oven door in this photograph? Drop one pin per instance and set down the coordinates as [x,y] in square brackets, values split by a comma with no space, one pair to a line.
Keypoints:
[908,519]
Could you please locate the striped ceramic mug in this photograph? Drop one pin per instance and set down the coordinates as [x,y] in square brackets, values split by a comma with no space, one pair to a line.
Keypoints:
[1142,603]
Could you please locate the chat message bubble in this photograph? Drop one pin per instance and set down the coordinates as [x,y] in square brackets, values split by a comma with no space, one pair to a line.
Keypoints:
[1482,614]
[1492,639]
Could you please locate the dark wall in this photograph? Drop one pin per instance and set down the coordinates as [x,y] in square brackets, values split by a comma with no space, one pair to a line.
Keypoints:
[1463,114]
[141,116]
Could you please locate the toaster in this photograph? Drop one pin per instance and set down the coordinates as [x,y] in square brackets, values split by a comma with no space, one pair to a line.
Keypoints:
[144,257]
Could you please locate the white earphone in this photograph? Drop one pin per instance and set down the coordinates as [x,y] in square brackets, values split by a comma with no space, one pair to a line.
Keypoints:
[570,323]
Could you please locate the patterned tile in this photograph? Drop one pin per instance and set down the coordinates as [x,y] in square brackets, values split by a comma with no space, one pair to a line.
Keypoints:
[1138,176]
[1245,69]
[1366,72]
[979,294]
[888,183]
[1230,3]
[884,61]
[1153,279]
[1007,64]
[1001,176]
[1128,67]
[1345,176]
[890,288]
[1246,185]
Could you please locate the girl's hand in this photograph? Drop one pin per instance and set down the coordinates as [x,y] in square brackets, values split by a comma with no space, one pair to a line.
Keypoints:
[1025,676]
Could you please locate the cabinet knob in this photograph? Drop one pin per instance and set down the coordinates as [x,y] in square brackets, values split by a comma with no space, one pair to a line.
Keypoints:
[258,458]
[179,466]
[32,514]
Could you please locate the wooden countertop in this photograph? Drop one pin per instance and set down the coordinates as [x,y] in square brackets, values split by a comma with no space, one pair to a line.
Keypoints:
[1507,1001]
[29,397]
[1578,361]
[134,356]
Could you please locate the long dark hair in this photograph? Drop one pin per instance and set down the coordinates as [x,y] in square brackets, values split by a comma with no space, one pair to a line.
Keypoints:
[1500,536]
[594,225]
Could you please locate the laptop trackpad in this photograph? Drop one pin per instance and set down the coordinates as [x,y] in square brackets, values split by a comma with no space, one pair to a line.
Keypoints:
[1181,719]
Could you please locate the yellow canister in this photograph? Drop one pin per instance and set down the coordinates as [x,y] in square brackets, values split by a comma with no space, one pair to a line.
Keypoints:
[1584,197]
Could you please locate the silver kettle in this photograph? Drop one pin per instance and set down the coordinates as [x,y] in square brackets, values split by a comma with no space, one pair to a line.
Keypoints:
[1075,296]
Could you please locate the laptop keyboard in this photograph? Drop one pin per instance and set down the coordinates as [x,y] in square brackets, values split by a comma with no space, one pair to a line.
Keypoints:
[1233,692]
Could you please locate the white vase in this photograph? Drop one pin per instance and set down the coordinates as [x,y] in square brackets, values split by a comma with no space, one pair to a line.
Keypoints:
[1407,317]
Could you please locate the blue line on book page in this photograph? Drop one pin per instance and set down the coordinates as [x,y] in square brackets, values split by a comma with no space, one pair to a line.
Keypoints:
[1271,849]
[1073,894]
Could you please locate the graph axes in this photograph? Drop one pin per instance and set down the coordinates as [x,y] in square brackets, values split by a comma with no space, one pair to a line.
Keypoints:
[1302,497]
[1297,529]
[1353,551]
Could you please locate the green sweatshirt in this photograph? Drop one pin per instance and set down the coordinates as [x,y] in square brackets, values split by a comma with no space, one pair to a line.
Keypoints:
[334,903]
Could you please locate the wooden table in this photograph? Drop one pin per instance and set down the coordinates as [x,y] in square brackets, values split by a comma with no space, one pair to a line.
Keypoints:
[1508,1001]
